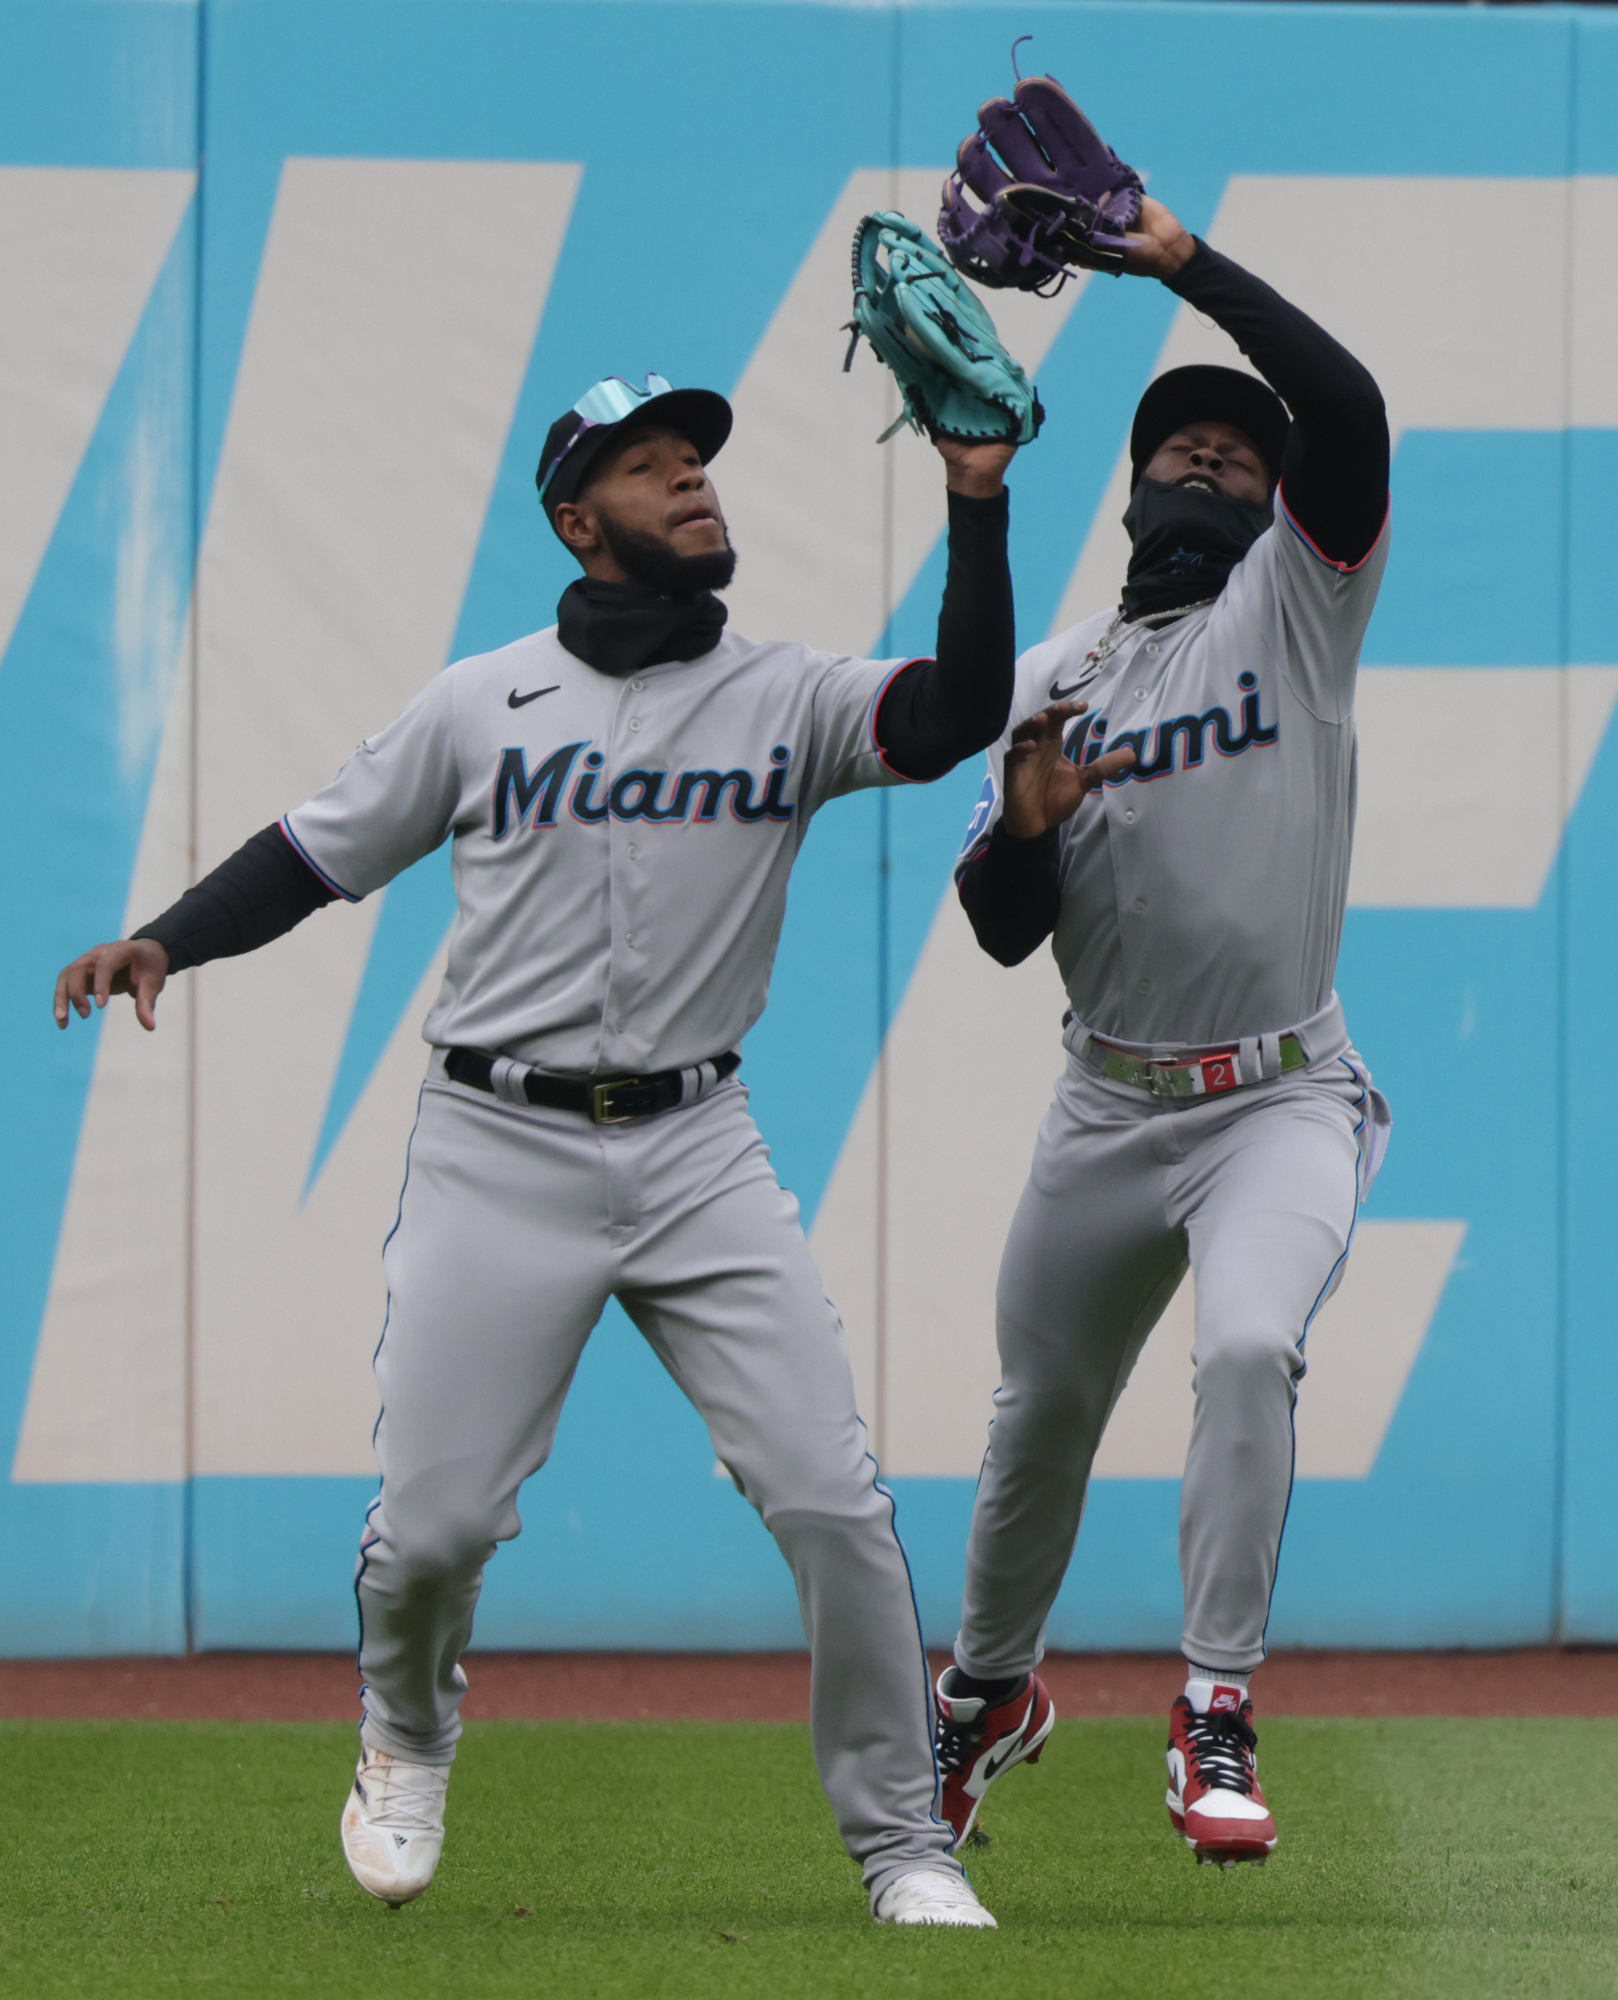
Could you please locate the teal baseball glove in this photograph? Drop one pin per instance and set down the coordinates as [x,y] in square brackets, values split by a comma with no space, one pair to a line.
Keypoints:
[931,329]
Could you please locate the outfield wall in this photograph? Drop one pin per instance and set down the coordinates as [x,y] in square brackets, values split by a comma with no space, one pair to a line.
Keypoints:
[267,432]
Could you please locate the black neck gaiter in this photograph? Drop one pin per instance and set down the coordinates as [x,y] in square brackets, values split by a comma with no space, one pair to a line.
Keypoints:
[618,628]
[1186,543]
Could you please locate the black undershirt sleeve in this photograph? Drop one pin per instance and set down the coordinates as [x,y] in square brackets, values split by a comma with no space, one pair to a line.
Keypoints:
[1335,473]
[935,712]
[256,894]
[1011,893]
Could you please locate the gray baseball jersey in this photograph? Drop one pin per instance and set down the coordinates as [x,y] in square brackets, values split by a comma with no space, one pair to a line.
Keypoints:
[622,847]
[1203,892]
[1202,902]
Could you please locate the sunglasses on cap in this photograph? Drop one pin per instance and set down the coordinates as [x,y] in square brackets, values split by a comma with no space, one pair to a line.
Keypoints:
[609,402]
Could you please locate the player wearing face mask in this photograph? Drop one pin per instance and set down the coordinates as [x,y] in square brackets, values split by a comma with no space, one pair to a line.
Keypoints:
[1212,1111]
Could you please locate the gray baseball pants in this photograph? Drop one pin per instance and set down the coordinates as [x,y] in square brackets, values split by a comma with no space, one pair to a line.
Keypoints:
[516,1226]
[1257,1189]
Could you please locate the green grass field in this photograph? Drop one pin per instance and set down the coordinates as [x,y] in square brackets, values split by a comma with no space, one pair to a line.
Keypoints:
[1417,1858]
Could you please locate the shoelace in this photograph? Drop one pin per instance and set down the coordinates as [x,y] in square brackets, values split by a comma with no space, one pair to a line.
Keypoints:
[397,1801]
[1223,1745]
[956,1742]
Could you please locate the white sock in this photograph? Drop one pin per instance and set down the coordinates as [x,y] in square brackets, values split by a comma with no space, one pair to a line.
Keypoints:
[1224,1694]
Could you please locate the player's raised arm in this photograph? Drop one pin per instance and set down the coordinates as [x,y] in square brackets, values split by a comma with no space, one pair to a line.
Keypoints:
[1334,468]
[937,712]
[1038,193]
[962,390]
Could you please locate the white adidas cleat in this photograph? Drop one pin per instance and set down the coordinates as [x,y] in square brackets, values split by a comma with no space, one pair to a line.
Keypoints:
[929,1896]
[393,1825]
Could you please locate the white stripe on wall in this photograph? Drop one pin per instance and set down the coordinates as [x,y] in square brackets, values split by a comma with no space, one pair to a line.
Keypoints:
[395,313]
[80,249]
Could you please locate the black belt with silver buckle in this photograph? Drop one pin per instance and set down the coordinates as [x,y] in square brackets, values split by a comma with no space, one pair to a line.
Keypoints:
[607,1100]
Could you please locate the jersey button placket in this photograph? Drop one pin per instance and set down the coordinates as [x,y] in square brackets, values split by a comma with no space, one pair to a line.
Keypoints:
[627,884]
[1127,862]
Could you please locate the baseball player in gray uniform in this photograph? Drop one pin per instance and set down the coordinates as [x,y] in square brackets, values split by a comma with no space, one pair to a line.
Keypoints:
[626,793]
[1212,1110]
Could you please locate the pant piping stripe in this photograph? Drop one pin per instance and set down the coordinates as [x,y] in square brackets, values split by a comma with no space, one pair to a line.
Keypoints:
[1309,1320]
[921,1644]
[368,1541]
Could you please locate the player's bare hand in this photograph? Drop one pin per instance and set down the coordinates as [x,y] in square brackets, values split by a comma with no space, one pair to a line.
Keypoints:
[977,470]
[133,965]
[1161,246]
[1042,786]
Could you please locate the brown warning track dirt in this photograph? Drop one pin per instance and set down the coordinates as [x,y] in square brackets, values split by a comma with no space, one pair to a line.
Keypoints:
[774,1687]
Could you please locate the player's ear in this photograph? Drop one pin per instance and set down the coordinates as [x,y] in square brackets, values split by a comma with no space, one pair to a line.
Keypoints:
[577,529]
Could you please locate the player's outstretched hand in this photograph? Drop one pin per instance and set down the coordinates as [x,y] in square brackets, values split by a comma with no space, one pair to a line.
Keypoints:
[1161,246]
[132,965]
[974,468]
[1043,787]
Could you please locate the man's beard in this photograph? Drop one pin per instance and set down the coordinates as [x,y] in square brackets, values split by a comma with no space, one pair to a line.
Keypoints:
[649,561]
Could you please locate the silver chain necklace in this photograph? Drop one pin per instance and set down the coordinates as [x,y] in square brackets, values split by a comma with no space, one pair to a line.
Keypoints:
[1149,621]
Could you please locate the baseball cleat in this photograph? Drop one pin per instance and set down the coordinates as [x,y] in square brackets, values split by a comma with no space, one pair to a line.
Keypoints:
[929,1896]
[393,1825]
[1214,1798]
[976,1744]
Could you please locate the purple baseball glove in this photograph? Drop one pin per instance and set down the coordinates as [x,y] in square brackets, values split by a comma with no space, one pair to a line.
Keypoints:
[1063,197]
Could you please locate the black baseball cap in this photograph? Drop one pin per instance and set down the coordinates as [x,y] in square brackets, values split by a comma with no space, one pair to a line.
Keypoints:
[610,411]
[1204,395]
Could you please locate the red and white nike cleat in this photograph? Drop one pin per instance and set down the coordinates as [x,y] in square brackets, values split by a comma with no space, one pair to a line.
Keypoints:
[976,1744]
[1214,1798]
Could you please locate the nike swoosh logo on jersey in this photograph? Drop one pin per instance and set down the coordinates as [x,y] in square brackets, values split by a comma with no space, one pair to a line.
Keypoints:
[1062,693]
[515,700]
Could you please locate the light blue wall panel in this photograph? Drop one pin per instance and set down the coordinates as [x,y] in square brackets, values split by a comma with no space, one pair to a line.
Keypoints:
[99,83]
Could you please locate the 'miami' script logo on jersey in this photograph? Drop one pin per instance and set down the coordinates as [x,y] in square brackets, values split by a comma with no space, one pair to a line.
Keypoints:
[1178,744]
[694,797]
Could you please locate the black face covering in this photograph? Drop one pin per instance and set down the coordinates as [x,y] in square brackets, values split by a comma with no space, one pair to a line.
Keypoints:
[1186,543]
[619,628]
